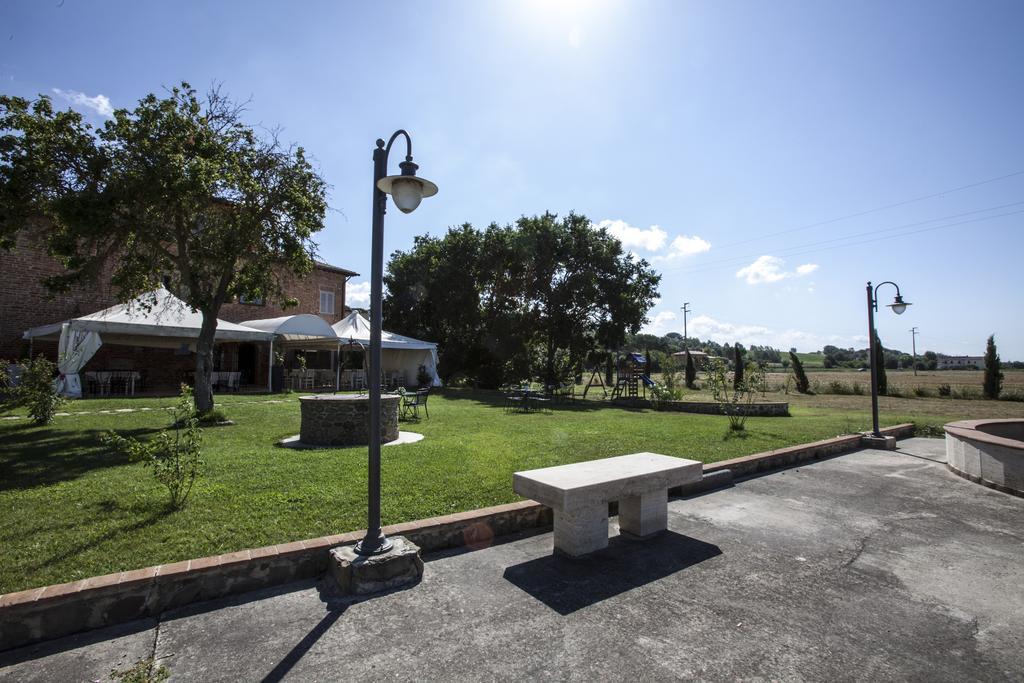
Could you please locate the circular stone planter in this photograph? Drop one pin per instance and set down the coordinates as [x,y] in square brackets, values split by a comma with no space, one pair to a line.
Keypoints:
[988,452]
[343,419]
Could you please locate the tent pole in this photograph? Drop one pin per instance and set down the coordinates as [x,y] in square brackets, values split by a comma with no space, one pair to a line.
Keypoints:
[337,369]
[270,368]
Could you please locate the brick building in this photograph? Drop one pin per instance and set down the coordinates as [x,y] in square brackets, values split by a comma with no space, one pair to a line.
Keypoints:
[25,303]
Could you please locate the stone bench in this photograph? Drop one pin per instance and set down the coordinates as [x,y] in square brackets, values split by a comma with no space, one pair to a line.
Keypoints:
[579,495]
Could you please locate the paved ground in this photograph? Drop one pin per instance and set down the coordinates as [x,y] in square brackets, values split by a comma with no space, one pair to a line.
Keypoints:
[868,566]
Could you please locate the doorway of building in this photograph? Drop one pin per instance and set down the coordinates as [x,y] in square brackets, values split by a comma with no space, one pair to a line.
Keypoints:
[247,363]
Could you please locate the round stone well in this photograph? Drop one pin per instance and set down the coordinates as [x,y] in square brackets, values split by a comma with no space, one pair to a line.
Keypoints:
[343,419]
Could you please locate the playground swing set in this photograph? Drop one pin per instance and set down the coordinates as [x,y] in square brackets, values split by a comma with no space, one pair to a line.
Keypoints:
[631,378]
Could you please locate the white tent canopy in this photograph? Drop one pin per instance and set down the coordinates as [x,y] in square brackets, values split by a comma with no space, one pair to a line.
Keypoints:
[155,319]
[399,353]
[299,327]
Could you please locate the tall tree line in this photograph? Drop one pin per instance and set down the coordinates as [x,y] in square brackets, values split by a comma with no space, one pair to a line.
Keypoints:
[510,302]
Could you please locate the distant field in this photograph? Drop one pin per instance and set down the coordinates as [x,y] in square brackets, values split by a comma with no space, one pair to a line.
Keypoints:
[1013,379]
[810,360]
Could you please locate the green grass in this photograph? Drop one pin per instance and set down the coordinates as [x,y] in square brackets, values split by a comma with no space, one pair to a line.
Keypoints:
[70,509]
[812,360]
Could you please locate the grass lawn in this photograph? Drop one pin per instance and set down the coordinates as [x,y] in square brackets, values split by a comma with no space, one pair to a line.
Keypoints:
[70,509]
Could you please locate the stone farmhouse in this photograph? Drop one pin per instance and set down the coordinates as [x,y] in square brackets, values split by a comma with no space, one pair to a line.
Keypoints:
[25,303]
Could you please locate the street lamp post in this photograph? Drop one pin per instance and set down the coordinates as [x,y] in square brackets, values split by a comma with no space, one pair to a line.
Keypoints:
[898,306]
[406,190]
[913,346]
[685,309]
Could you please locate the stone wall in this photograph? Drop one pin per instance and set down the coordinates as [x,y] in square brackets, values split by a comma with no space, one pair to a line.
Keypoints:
[343,419]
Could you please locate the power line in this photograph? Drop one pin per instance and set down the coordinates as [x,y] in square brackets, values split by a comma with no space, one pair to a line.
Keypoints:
[874,210]
[876,239]
[788,251]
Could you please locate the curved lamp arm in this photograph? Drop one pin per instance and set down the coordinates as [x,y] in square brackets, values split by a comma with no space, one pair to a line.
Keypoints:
[874,296]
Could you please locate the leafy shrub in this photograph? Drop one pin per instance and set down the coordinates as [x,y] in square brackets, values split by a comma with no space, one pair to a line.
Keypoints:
[837,387]
[733,398]
[965,393]
[173,455]
[212,417]
[944,390]
[929,430]
[35,390]
[922,392]
[857,388]
[1016,396]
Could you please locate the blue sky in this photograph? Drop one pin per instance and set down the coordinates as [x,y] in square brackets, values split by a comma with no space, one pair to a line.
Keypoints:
[721,140]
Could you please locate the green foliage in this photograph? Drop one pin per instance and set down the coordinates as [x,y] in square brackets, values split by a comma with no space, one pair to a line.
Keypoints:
[173,455]
[993,384]
[737,376]
[691,371]
[143,671]
[879,362]
[668,388]
[803,385]
[423,377]
[530,299]
[735,398]
[35,390]
[944,390]
[179,188]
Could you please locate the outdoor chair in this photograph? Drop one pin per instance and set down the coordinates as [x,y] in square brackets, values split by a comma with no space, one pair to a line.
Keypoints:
[411,403]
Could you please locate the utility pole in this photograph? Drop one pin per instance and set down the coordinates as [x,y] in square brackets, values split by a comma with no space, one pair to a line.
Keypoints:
[913,344]
[685,309]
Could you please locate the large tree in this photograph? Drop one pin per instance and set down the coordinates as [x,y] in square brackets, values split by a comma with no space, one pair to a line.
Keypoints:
[178,190]
[513,301]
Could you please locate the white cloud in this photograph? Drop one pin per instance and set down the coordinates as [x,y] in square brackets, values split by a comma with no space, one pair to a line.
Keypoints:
[660,324]
[769,268]
[358,294]
[706,327]
[651,239]
[99,104]
[684,245]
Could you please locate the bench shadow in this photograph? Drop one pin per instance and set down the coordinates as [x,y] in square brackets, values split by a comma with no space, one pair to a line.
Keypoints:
[567,585]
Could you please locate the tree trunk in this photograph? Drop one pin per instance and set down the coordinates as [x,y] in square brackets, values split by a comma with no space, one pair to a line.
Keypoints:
[204,364]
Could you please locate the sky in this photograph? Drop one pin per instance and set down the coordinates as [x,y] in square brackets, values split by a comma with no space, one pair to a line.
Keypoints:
[768,159]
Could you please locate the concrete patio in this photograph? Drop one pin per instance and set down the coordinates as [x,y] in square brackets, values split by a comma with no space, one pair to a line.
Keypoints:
[872,565]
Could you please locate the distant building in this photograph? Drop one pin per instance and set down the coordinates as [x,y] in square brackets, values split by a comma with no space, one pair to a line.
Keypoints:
[959,362]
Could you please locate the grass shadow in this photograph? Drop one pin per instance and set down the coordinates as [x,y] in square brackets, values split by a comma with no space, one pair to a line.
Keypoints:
[34,457]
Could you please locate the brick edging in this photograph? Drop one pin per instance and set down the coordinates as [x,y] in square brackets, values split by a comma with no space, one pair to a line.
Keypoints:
[62,609]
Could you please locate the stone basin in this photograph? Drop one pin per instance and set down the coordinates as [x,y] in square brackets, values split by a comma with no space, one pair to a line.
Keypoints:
[343,419]
[989,452]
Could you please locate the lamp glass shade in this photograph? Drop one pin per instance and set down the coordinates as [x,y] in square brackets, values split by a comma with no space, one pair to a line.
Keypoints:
[899,306]
[407,193]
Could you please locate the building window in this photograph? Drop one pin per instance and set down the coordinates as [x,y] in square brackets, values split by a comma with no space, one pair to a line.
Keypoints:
[326,302]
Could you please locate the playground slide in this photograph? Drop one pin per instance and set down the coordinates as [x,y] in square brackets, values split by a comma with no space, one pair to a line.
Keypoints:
[648,382]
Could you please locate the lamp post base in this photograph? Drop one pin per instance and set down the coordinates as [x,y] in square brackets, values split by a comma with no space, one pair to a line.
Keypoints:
[357,574]
[373,546]
[882,443]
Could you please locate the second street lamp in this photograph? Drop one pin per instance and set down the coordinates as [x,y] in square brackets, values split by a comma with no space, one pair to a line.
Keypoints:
[407,190]
[898,305]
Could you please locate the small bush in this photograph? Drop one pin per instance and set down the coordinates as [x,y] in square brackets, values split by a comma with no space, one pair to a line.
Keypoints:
[929,430]
[35,390]
[837,387]
[966,393]
[922,392]
[212,417]
[944,390]
[857,388]
[173,455]
[1016,396]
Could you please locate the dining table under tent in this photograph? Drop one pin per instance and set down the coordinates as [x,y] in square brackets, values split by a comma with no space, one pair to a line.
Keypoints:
[401,356]
[156,319]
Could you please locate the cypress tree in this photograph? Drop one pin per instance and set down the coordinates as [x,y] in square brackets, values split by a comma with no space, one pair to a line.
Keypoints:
[691,371]
[879,362]
[803,385]
[993,370]
[737,378]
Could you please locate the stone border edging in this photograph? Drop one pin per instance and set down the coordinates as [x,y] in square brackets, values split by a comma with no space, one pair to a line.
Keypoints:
[773,409]
[59,610]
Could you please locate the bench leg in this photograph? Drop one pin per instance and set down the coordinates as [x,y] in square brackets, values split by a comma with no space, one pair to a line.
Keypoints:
[645,515]
[581,530]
